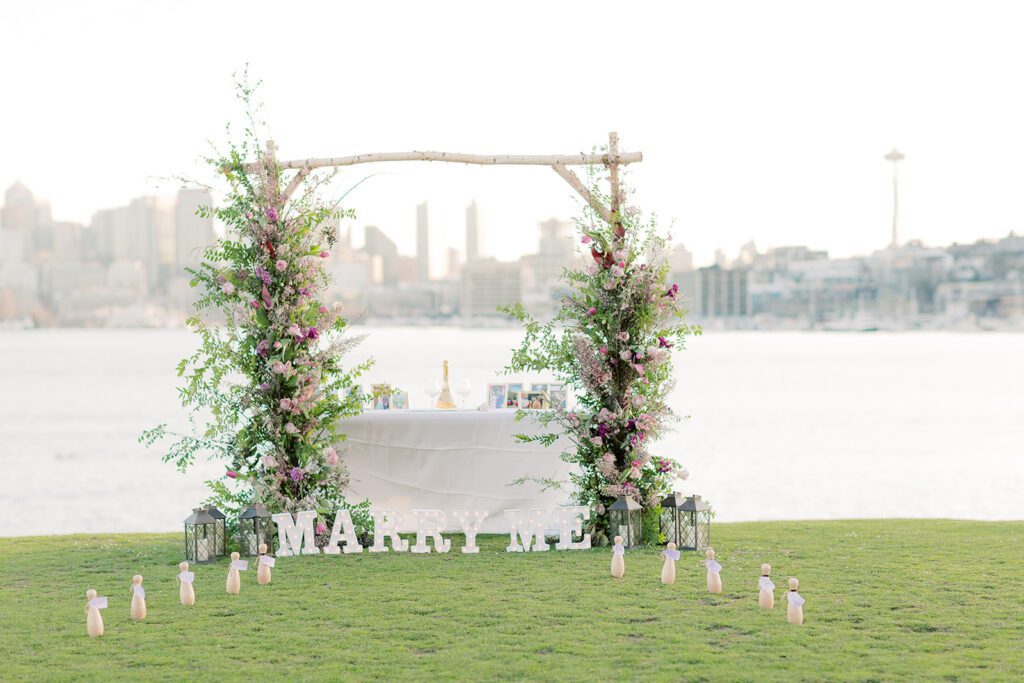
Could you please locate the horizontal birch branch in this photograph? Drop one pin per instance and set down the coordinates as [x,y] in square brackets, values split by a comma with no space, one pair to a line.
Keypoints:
[459,158]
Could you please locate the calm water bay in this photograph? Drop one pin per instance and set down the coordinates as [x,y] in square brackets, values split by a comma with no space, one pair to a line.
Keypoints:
[781,425]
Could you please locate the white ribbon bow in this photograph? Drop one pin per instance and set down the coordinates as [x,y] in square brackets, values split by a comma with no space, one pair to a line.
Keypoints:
[241,565]
[187,577]
[618,549]
[766,584]
[795,599]
[267,560]
[713,566]
[671,554]
[98,603]
[139,591]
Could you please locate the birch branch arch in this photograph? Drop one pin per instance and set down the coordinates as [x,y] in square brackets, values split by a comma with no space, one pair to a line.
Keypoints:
[612,159]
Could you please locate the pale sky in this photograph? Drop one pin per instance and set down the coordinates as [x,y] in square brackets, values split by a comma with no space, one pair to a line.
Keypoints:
[757,120]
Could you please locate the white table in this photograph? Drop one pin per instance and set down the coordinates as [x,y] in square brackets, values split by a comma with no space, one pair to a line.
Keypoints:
[449,460]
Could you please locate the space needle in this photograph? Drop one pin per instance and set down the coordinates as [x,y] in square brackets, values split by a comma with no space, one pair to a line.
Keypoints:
[895,157]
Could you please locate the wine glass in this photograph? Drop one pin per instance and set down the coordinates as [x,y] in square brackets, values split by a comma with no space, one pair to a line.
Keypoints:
[433,390]
[462,389]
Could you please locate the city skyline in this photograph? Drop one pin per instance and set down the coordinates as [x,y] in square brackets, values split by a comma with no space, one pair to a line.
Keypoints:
[128,267]
[784,150]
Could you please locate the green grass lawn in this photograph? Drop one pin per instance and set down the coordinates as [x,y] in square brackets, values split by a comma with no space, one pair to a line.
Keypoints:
[917,600]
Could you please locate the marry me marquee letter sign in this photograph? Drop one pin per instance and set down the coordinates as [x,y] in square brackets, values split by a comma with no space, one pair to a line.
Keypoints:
[297,535]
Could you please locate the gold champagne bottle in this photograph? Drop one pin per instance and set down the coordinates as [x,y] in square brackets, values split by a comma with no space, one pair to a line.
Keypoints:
[445,399]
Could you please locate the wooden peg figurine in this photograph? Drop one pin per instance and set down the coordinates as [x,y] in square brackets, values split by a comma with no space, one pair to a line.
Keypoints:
[138,609]
[618,559]
[186,592]
[795,602]
[668,570]
[714,578]
[265,563]
[234,583]
[766,589]
[93,618]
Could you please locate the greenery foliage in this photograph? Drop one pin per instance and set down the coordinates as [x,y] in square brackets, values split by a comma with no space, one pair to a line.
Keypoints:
[612,342]
[267,386]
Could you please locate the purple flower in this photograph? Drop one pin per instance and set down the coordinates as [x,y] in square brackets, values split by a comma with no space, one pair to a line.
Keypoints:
[264,386]
[664,343]
[297,474]
[673,290]
[261,348]
[311,333]
[272,214]
[263,275]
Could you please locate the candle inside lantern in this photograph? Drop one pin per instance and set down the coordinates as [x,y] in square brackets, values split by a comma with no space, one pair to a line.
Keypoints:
[204,551]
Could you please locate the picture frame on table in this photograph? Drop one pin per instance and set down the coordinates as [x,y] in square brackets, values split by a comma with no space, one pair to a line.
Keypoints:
[513,395]
[496,396]
[381,396]
[400,400]
[537,398]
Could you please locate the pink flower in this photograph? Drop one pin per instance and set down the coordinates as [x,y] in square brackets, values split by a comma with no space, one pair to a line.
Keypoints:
[586,239]
[603,350]
[228,288]
[620,256]
[286,404]
[325,254]
[600,508]
[597,441]
[291,428]
[592,311]
[295,331]
[269,462]
[623,336]
[639,369]
[296,474]
[331,456]
[321,528]
[233,475]
[281,265]
[254,303]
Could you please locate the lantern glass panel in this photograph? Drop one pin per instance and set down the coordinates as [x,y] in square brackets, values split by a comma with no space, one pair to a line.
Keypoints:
[624,517]
[200,537]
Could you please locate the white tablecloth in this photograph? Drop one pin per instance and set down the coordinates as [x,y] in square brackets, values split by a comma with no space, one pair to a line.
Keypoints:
[449,460]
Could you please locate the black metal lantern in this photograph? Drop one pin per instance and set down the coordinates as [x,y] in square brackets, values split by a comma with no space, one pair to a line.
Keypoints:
[625,518]
[694,525]
[671,520]
[254,528]
[200,536]
[222,528]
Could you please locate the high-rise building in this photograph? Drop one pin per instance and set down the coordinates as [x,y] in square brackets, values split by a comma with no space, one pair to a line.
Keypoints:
[542,284]
[422,244]
[383,255]
[194,232]
[472,232]
[21,218]
[487,284]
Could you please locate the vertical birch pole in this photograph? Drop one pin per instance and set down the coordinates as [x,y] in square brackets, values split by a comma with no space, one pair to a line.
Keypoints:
[271,181]
[613,164]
